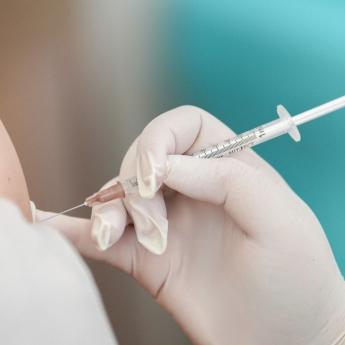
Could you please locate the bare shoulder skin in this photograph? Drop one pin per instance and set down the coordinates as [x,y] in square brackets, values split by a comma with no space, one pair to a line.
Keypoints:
[12,181]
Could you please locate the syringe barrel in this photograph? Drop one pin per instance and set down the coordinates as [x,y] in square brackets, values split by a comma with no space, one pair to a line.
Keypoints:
[247,139]
[275,129]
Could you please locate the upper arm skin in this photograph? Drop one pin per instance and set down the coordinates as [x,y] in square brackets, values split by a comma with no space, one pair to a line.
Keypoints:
[12,181]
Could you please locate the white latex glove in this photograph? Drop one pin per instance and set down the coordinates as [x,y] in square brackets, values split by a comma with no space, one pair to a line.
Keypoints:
[47,295]
[247,261]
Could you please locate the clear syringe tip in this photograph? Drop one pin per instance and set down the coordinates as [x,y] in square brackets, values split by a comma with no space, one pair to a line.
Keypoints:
[113,192]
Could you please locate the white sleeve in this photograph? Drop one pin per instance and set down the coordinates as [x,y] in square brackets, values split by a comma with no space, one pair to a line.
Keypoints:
[47,294]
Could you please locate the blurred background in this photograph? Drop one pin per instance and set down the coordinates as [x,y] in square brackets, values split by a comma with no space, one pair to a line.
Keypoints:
[80,79]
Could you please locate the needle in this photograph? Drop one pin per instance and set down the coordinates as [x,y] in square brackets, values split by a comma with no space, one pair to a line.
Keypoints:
[63,212]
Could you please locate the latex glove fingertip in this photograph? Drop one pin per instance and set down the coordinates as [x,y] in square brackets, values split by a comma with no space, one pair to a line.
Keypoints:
[150,175]
[107,225]
[156,238]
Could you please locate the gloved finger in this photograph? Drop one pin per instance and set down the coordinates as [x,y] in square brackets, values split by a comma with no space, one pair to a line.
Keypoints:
[77,231]
[149,216]
[109,221]
[150,221]
[257,203]
[183,130]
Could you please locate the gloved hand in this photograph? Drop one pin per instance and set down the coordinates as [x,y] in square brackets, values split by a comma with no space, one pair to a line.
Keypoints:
[247,261]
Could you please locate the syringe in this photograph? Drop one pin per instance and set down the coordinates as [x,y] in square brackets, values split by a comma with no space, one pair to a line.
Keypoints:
[284,124]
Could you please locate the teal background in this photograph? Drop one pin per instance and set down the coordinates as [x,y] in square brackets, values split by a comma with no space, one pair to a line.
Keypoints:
[239,59]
